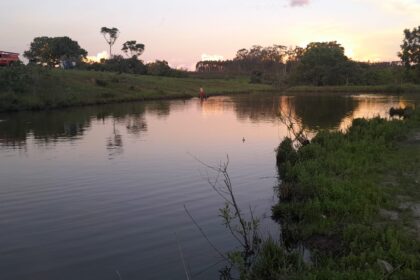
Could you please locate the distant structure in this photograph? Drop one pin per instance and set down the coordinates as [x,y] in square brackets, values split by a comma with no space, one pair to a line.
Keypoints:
[8,58]
[67,64]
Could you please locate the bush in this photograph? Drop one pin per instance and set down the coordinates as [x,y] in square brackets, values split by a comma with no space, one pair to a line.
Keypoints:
[330,197]
[256,77]
[19,78]
[118,64]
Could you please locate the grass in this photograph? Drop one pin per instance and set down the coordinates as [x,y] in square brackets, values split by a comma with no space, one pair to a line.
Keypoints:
[345,197]
[26,88]
[392,88]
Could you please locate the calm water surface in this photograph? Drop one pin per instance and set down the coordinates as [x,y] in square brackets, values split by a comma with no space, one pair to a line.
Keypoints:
[93,192]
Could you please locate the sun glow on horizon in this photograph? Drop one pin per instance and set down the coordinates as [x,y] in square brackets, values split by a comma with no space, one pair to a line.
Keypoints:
[97,58]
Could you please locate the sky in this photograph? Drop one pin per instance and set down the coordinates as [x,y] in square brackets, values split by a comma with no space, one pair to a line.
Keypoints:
[186,31]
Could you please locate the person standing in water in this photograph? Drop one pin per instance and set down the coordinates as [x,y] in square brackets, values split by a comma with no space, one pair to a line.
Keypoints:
[202,94]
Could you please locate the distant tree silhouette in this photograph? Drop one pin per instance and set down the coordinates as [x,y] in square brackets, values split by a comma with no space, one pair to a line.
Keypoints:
[132,48]
[410,50]
[111,36]
[323,63]
[54,50]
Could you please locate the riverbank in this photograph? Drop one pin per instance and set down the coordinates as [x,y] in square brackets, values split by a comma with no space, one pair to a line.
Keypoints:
[25,88]
[353,200]
[392,88]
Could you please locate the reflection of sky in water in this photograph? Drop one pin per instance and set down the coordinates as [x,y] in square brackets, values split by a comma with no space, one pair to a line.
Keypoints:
[219,114]
[370,106]
[88,191]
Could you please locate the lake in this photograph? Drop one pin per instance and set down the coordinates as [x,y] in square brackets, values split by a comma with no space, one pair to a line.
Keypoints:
[99,192]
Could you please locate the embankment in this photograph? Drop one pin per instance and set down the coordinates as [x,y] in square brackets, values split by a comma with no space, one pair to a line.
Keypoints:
[353,199]
[33,88]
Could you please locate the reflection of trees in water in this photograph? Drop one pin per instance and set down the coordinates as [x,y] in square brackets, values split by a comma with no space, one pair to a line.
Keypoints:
[160,108]
[215,105]
[114,143]
[45,127]
[313,112]
[50,127]
[323,112]
[257,108]
[12,133]
[136,125]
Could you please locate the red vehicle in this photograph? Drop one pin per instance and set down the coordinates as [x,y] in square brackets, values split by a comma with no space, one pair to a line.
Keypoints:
[8,58]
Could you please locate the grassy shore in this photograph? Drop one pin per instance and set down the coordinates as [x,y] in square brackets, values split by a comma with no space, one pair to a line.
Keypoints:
[353,199]
[392,88]
[26,88]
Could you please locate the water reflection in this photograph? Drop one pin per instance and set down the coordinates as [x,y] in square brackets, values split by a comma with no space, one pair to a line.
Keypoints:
[114,143]
[314,112]
[370,106]
[49,127]
[323,112]
[68,212]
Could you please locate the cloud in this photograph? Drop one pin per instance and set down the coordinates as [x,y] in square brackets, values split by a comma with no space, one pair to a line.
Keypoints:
[98,57]
[211,57]
[299,3]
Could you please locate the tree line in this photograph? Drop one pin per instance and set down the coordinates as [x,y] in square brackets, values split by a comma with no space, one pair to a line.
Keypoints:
[319,64]
[67,53]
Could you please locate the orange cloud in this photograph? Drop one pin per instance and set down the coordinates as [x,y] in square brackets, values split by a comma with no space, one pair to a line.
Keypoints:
[97,58]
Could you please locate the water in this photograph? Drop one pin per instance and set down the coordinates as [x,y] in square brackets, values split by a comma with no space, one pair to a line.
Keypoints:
[98,192]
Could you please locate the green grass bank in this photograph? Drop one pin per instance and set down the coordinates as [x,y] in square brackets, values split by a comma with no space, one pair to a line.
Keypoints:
[27,88]
[391,88]
[352,199]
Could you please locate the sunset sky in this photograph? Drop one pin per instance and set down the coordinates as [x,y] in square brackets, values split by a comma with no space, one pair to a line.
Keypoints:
[185,31]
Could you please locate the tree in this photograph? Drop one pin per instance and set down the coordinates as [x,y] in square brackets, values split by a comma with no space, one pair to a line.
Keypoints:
[111,36]
[323,64]
[133,47]
[54,50]
[119,64]
[410,49]
[159,68]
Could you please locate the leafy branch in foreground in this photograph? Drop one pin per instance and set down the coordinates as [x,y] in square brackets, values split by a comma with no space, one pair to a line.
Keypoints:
[296,132]
[244,230]
[255,258]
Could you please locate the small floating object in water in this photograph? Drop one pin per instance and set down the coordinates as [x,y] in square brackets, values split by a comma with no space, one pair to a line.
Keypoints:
[243,139]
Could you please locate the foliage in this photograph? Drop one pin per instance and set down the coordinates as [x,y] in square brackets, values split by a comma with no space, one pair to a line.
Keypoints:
[271,62]
[119,64]
[15,79]
[410,51]
[319,64]
[53,50]
[323,64]
[256,77]
[158,68]
[275,262]
[330,197]
[388,88]
[135,49]
[255,258]
[261,58]
[133,65]
[19,84]
[162,68]
[110,36]
[37,88]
